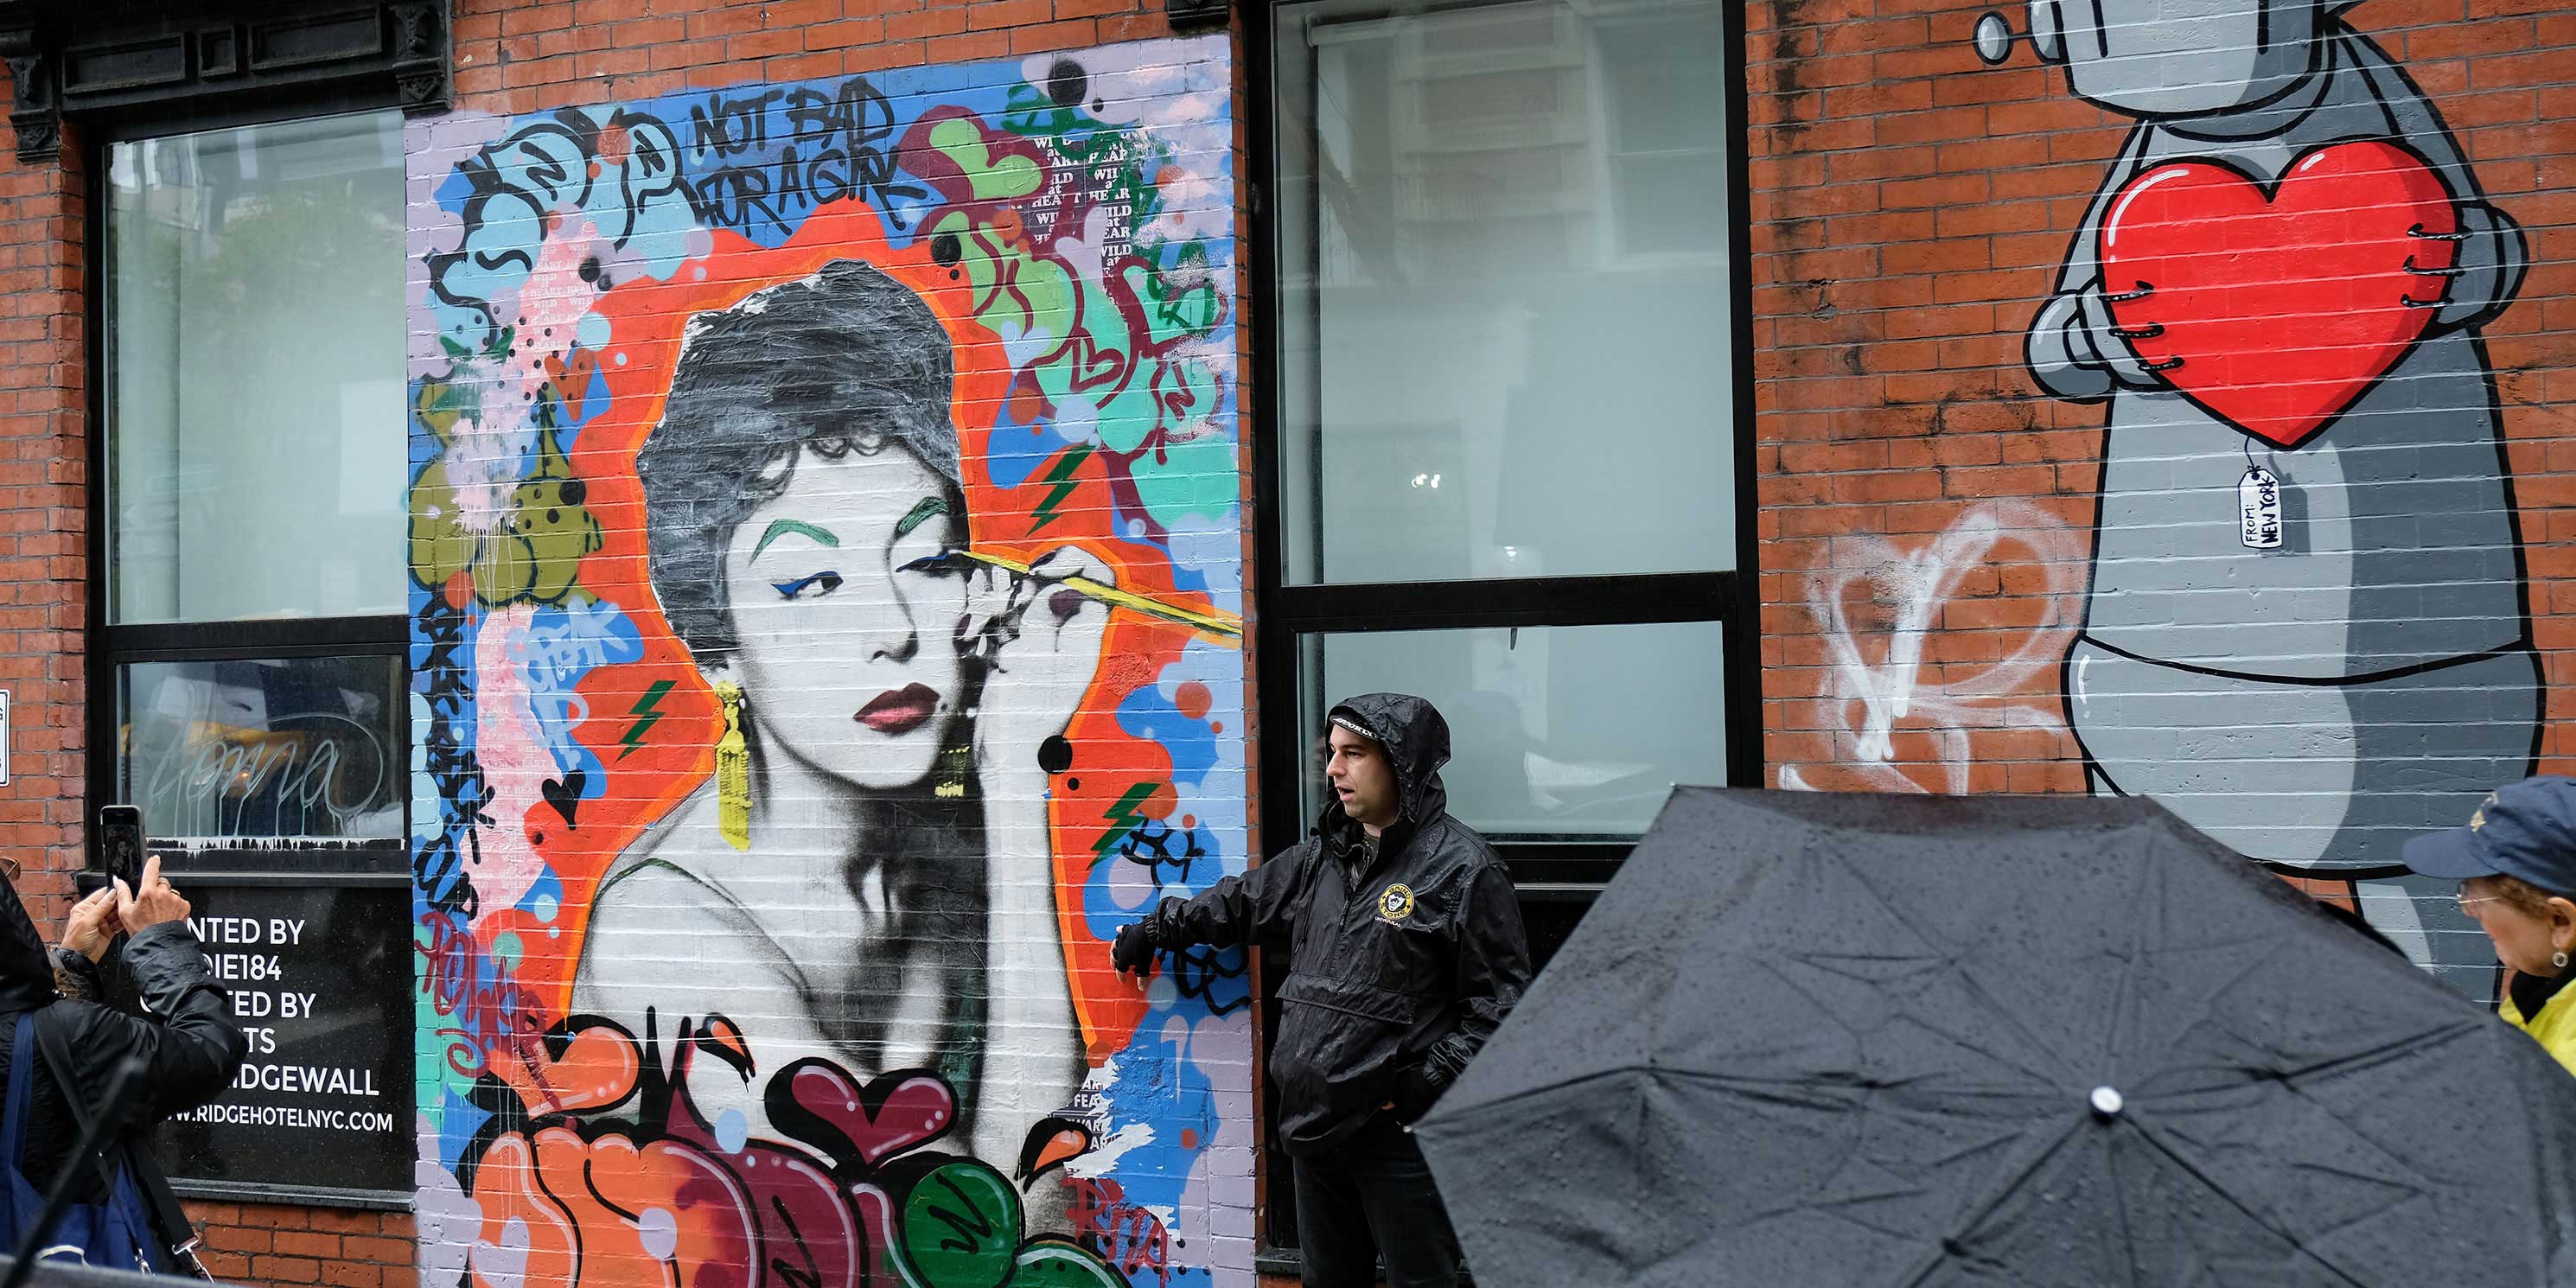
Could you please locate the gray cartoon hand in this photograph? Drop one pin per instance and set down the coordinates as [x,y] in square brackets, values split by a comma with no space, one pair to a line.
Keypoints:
[2486,271]
[2077,350]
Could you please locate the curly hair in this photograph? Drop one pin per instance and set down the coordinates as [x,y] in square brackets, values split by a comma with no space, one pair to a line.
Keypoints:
[847,360]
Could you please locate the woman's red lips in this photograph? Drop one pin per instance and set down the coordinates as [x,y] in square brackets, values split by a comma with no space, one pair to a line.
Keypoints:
[900,710]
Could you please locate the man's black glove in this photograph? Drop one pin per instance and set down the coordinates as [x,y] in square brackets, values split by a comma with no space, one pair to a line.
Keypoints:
[1419,1086]
[1132,952]
[1416,1090]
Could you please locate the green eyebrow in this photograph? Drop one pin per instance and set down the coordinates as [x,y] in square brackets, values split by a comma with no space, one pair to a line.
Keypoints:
[797,527]
[920,514]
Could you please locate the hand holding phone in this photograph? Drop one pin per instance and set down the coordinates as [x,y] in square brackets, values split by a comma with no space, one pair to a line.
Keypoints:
[93,925]
[150,900]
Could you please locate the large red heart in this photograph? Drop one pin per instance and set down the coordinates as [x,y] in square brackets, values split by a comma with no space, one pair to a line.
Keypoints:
[2277,312]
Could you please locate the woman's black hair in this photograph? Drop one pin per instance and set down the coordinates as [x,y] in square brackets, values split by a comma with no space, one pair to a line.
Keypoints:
[847,360]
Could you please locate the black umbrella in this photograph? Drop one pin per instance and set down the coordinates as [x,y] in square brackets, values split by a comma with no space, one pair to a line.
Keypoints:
[1861,1041]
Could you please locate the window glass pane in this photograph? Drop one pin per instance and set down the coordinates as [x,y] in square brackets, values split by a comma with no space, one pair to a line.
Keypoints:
[1556,732]
[1505,298]
[255,358]
[296,747]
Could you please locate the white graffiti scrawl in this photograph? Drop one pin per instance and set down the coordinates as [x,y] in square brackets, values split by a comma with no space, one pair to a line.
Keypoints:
[1887,683]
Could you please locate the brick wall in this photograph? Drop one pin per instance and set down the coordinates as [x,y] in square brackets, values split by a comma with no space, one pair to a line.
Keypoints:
[275,1244]
[1930,507]
[44,563]
[513,59]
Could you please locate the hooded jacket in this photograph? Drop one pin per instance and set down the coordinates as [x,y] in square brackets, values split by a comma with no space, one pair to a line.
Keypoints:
[1395,979]
[190,1047]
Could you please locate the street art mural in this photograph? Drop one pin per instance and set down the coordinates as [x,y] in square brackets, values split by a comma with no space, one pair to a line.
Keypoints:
[826,619]
[2305,630]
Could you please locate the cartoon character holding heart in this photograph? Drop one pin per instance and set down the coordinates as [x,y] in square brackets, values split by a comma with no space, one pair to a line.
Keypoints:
[2306,631]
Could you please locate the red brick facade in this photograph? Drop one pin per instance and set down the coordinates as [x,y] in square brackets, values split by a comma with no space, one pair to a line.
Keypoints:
[273,1244]
[44,482]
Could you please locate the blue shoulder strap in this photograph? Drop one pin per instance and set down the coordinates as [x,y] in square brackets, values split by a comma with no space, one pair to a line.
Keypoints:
[22,1069]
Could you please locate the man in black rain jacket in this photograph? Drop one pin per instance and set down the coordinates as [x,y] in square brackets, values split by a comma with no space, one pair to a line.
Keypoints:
[189,1044]
[1405,951]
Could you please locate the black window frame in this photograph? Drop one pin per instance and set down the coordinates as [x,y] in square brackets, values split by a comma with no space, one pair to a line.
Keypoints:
[405,65]
[109,647]
[1544,872]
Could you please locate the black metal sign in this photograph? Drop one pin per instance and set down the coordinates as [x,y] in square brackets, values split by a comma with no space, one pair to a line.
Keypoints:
[320,976]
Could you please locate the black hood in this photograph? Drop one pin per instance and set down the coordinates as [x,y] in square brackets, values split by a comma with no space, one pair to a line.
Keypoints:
[1417,745]
[26,968]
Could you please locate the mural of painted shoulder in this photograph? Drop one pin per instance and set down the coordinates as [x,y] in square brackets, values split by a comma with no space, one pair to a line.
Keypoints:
[2306,630]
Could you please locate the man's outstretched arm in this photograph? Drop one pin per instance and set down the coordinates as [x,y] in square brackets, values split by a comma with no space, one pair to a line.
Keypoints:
[1234,912]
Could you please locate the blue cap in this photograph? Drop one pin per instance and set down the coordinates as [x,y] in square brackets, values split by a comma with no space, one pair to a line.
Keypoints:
[2526,830]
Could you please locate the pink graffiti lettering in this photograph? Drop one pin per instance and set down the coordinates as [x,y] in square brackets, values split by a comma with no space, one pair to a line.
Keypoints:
[1124,1234]
[492,1013]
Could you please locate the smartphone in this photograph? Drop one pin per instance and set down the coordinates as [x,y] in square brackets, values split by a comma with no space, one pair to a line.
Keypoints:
[120,837]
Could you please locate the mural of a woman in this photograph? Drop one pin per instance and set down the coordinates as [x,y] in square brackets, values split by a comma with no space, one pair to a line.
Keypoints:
[867,877]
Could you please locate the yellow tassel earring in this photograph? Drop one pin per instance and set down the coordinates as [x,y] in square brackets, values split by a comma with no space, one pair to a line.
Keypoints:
[956,765]
[733,771]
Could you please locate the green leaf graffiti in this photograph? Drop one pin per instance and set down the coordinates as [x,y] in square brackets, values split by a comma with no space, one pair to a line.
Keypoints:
[959,1225]
[1048,1264]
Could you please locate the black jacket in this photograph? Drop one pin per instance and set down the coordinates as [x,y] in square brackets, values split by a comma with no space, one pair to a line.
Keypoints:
[1392,985]
[190,1046]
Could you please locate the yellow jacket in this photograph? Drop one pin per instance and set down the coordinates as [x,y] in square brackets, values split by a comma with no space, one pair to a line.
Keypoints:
[2554,1028]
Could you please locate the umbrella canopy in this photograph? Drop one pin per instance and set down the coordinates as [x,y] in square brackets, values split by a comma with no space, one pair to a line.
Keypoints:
[1861,1040]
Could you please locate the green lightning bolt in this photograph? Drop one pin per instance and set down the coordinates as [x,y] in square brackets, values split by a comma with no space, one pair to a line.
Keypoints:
[646,716]
[1061,474]
[1123,817]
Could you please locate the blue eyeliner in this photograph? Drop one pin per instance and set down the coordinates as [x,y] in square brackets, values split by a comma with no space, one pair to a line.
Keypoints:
[788,589]
[944,561]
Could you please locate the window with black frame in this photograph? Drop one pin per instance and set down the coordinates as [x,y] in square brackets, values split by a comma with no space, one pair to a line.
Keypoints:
[255,461]
[1509,467]
[254,648]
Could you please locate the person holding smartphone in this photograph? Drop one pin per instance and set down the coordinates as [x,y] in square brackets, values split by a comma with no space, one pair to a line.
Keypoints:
[186,1038]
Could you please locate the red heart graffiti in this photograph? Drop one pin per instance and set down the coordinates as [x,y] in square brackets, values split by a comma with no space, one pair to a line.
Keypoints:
[893,1113]
[2278,311]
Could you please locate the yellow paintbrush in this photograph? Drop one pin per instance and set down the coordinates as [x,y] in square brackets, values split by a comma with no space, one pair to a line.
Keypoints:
[1226,628]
